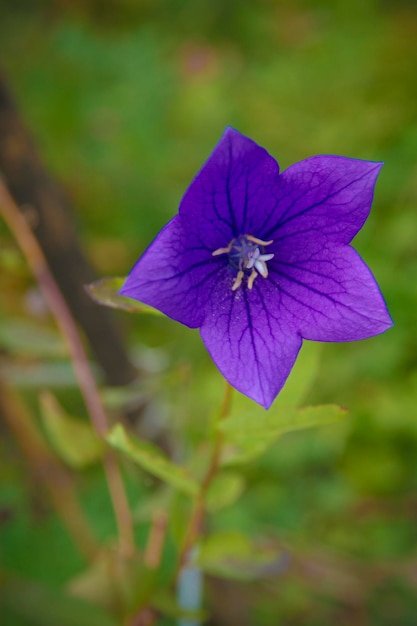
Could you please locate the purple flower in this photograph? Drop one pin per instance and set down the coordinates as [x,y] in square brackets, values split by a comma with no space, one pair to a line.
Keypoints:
[259,261]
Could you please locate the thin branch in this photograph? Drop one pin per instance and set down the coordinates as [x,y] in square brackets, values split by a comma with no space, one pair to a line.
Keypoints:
[39,267]
[154,546]
[197,515]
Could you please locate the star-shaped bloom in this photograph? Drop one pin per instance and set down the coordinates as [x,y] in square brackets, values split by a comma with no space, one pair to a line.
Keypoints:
[259,260]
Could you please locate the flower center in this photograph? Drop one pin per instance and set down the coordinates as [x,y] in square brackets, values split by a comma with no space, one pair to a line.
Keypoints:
[247,257]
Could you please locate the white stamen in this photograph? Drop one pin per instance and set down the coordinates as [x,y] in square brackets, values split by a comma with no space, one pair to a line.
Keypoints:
[253,258]
[238,280]
[221,251]
[260,242]
[261,267]
[251,279]
[245,254]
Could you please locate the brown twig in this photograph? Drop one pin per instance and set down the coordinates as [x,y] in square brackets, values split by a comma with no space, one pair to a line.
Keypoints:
[197,515]
[154,546]
[146,617]
[39,267]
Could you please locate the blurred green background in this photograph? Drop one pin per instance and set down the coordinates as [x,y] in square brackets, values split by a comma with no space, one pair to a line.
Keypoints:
[125,100]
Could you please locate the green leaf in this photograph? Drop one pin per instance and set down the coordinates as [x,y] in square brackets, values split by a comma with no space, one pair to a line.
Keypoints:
[152,459]
[225,489]
[106,292]
[72,439]
[231,554]
[249,434]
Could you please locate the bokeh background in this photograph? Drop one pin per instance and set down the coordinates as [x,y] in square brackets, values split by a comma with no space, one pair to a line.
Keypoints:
[125,99]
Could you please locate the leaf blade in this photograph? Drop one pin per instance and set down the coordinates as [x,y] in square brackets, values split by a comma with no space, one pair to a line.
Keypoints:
[248,435]
[72,439]
[152,459]
[106,292]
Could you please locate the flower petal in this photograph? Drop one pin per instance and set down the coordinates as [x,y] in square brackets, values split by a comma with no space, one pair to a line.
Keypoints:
[331,295]
[323,198]
[253,347]
[176,275]
[232,189]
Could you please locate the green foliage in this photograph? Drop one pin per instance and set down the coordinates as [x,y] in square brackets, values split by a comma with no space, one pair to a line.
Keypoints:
[150,458]
[232,554]
[225,489]
[73,440]
[106,292]
[249,434]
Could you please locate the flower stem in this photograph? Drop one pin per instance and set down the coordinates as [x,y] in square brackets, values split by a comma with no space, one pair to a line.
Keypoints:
[197,514]
[153,551]
[189,576]
[53,296]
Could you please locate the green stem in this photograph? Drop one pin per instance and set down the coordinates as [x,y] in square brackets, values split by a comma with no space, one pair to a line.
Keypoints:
[189,576]
[197,515]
